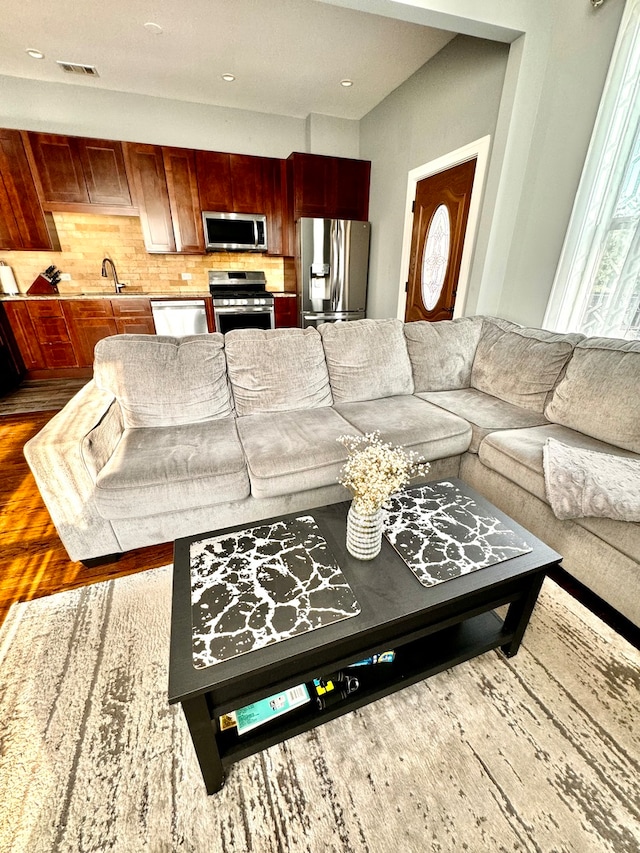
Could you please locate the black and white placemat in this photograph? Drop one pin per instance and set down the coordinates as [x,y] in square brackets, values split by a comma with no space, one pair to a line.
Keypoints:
[263,585]
[442,533]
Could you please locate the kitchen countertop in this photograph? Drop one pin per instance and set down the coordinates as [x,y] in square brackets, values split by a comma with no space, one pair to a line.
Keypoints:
[20,297]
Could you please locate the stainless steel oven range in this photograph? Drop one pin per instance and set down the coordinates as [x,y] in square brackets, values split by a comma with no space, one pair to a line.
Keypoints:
[241,300]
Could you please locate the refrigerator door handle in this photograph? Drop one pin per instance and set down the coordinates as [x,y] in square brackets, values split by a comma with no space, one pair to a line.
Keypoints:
[336,266]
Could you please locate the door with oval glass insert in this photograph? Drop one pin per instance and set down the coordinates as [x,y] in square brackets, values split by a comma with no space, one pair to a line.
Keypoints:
[440,214]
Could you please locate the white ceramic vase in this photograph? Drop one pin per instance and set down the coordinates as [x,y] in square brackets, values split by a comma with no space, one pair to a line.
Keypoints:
[364,533]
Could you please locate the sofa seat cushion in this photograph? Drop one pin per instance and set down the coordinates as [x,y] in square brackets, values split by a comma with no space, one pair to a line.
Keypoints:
[442,353]
[484,412]
[293,451]
[276,370]
[165,469]
[164,381]
[410,422]
[518,456]
[367,359]
[521,366]
[599,394]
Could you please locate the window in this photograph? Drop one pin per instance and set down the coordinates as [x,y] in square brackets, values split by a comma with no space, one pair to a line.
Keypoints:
[597,285]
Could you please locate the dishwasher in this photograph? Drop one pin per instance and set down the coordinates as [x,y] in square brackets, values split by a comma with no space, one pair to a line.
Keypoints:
[179,317]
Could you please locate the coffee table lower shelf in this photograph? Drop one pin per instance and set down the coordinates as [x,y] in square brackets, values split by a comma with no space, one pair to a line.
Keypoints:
[415,661]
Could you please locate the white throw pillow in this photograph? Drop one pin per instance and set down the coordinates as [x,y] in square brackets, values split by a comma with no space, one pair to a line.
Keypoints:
[582,483]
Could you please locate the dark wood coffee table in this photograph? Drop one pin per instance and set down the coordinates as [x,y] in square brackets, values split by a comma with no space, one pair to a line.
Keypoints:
[430,629]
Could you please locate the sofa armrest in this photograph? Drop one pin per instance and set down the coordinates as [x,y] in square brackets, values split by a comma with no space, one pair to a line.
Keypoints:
[65,457]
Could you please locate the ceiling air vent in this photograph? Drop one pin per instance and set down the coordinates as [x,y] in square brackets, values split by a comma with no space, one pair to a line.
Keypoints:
[76,68]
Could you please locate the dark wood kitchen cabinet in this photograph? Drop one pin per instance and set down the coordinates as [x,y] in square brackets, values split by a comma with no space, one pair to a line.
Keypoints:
[329,187]
[242,183]
[166,192]
[286,311]
[184,199]
[231,183]
[73,170]
[88,321]
[24,334]
[133,315]
[52,334]
[23,223]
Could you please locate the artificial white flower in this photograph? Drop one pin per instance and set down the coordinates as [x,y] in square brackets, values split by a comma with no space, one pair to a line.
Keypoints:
[376,470]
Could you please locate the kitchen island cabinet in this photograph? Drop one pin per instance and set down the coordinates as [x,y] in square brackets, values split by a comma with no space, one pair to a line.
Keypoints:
[23,223]
[80,174]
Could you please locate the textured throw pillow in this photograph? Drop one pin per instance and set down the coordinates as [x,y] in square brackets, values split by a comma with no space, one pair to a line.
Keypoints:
[164,381]
[367,359]
[277,370]
[581,483]
[518,365]
[442,353]
[600,392]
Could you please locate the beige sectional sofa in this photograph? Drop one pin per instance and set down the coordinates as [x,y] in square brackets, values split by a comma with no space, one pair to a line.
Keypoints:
[176,436]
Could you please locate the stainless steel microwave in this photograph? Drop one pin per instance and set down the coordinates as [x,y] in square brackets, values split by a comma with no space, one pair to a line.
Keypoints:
[234,232]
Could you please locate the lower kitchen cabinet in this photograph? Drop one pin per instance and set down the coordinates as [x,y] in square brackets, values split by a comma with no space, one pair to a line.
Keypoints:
[133,316]
[88,321]
[286,311]
[52,334]
[61,334]
[24,334]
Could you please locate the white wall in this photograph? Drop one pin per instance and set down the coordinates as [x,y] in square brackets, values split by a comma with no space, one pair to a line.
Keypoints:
[79,110]
[453,100]
[337,137]
[558,59]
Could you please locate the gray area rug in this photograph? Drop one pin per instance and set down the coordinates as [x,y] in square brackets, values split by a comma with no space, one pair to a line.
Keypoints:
[538,753]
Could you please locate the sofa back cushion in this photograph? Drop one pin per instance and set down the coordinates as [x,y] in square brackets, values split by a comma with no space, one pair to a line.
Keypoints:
[442,353]
[164,381]
[367,359]
[519,365]
[600,392]
[277,370]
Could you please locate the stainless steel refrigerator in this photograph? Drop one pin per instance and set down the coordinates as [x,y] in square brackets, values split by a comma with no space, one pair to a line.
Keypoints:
[332,269]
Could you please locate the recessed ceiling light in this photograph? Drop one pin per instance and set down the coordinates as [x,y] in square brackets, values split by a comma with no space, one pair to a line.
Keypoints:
[346,83]
[228,78]
[156,29]
[35,54]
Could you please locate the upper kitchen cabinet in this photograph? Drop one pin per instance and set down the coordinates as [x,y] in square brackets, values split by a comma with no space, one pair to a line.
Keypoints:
[23,223]
[166,192]
[184,199]
[230,183]
[80,174]
[241,183]
[329,187]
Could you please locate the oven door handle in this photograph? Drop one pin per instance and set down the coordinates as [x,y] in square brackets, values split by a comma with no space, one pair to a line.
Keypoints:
[242,309]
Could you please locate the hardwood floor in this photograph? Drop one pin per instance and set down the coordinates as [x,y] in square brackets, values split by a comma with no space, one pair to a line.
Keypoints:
[33,561]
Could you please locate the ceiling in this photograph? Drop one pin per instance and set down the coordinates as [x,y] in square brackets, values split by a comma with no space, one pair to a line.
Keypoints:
[288,56]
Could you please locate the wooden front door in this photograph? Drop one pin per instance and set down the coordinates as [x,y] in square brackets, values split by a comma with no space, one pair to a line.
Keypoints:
[440,214]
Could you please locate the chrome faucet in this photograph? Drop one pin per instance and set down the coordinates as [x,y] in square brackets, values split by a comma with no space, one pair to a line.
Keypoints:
[117,284]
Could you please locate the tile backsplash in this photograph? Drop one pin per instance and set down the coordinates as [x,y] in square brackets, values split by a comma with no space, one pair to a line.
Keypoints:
[88,238]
